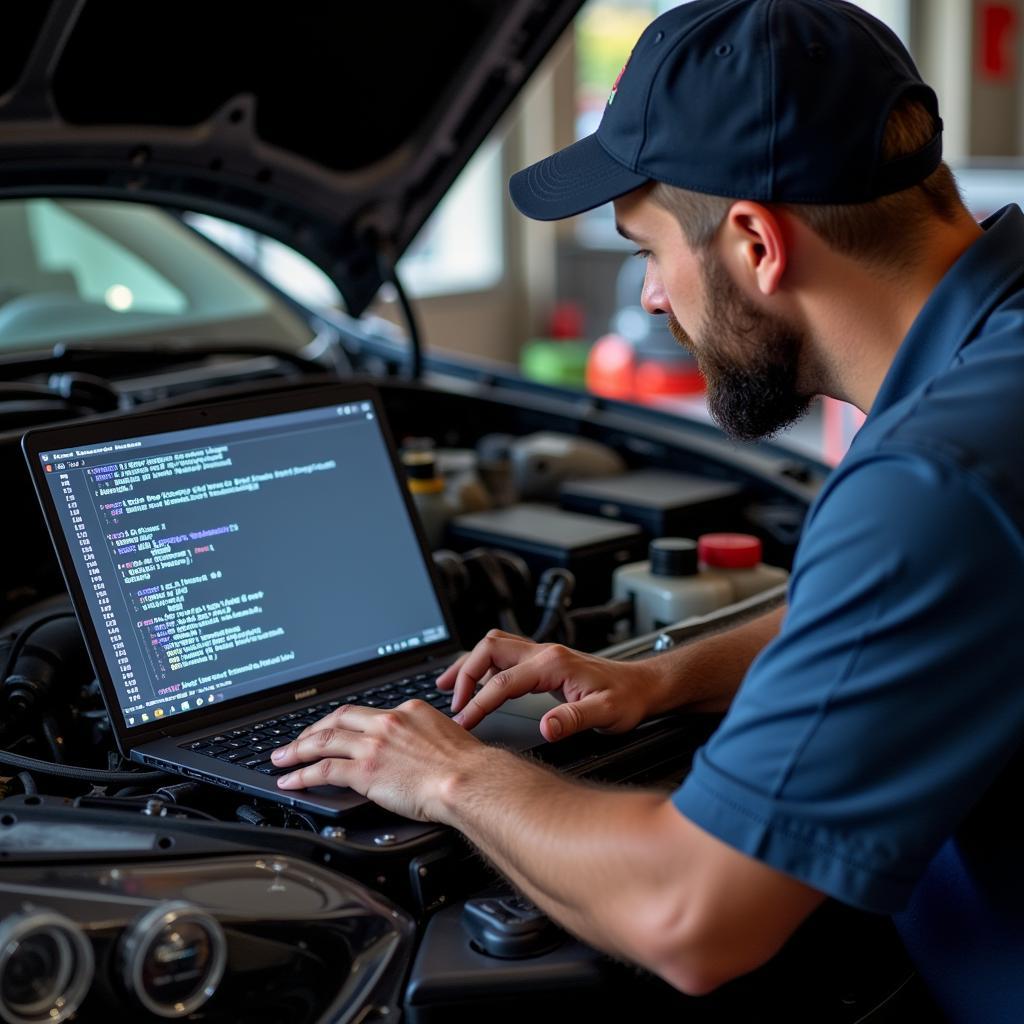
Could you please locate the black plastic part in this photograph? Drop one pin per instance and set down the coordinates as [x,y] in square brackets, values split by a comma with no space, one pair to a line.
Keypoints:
[841,967]
[451,981]
[673,556]
[509,927]
[664,504]
[590,548]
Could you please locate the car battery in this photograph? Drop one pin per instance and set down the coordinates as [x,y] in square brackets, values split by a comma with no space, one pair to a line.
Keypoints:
[664,504]
[545,537]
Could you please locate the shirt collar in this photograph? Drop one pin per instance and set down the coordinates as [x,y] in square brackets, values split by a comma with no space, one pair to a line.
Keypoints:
[962,299]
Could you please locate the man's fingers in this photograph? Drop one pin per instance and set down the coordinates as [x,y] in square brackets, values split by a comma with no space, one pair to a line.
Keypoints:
[480,682]
[347,716]
[325,723]
[446,680]
[329,772]
[325,743]
[497,651]
[591,712]
[509,683]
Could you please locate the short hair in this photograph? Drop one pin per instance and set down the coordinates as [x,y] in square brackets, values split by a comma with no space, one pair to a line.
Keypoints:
[885,232]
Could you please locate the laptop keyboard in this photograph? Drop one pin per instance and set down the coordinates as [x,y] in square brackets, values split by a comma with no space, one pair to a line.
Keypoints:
[252,745]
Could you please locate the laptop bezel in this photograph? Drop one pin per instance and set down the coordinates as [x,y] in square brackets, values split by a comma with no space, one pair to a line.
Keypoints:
[120,426]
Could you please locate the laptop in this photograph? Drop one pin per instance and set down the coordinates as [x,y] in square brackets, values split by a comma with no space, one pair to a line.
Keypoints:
[241,569]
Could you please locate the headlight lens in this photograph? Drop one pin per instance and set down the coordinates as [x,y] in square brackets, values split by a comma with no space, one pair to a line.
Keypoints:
[173,959]
[46,967]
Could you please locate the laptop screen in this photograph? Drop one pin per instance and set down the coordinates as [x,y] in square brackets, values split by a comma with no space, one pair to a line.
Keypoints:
[221,561]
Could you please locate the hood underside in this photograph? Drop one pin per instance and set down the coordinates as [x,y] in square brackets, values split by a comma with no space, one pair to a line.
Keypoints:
[335,127]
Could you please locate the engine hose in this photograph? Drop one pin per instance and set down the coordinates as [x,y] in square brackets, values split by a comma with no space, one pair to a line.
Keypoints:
[554,596]
[568,624]
[54,740]
[494,574]
[555,622]
[612,610]
[22,639]
[67,771]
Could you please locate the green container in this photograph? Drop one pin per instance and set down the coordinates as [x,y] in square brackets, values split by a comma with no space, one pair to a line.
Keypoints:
[562,363]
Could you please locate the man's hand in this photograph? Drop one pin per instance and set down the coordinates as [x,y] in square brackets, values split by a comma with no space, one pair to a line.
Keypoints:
[401,759]
[598,693]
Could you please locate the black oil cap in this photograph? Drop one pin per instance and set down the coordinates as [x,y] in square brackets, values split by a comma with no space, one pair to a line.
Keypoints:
[673,556]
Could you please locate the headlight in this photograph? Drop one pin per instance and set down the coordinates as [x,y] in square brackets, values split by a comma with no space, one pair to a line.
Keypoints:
[46,967]
[173,959]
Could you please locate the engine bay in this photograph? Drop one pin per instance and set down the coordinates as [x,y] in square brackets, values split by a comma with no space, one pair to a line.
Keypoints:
[127,886]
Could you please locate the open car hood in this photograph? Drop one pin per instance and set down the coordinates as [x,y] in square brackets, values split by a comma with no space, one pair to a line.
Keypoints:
[335,127]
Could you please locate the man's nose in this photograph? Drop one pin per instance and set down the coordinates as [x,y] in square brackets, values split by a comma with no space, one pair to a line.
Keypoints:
[653,297]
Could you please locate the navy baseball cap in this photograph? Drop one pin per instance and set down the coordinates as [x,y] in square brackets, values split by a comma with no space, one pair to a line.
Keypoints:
[772,100]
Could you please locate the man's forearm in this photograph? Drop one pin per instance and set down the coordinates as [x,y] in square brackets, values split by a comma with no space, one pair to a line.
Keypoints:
[701,676]
[624,870]
[585,855]
[705,675]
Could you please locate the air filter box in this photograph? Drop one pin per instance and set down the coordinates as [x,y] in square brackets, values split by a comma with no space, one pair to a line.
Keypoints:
[544,537]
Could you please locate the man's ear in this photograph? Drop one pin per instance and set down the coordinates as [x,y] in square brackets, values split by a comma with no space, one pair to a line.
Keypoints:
[755,244]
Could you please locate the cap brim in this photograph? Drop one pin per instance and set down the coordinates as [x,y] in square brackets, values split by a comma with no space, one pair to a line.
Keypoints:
[571,181]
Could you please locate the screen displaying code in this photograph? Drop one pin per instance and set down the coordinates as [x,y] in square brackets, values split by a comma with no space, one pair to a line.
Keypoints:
[223,561]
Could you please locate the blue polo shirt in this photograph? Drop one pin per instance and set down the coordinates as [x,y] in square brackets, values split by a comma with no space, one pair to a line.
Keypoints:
[874,750]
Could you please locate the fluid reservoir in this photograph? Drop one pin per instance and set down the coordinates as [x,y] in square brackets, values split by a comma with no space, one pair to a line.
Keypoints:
[736,558]
[428,493]
[669,587]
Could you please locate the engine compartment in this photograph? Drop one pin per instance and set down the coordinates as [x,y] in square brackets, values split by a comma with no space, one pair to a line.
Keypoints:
[112,852]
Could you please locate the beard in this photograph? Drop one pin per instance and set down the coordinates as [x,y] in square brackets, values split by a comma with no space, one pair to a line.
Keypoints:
[749,358]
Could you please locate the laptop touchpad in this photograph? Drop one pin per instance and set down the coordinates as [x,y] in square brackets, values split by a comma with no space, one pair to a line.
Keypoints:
[533,705]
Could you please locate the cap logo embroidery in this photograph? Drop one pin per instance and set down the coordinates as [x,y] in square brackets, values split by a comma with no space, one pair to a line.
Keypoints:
[615,87]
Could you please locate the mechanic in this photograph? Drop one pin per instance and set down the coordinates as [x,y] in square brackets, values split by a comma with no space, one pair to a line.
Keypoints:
[778,165]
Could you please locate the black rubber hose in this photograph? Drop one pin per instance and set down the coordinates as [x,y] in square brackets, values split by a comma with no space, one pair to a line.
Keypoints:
[551,621]
[612,611]
[554,595]
[494,575]
[54,740]
[22,638]
[67,771]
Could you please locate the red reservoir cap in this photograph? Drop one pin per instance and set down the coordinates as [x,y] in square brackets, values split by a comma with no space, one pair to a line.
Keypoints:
[729,550]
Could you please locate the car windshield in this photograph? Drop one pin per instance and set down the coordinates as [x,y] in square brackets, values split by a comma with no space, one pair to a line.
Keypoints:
[96,271]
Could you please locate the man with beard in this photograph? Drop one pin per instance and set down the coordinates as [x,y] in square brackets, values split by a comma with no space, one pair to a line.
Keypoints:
[778,165]
[748,357]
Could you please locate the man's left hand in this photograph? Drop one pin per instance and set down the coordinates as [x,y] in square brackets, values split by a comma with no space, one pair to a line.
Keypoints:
[401,759]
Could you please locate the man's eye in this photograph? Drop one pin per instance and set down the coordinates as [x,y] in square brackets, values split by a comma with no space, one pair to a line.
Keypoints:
[643,253]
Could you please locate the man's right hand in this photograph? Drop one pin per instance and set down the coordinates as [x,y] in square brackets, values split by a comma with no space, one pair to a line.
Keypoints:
[598,693]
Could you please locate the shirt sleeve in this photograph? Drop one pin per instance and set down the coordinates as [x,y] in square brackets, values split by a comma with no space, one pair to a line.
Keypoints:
[893,695]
